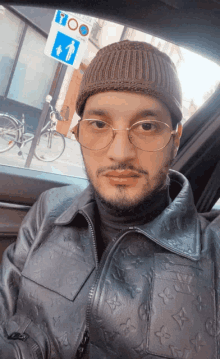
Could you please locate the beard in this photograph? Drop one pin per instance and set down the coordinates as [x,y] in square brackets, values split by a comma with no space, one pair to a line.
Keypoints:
[121,205]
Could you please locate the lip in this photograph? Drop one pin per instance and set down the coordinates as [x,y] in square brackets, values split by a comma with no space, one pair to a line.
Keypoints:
[122,174]
[129,181]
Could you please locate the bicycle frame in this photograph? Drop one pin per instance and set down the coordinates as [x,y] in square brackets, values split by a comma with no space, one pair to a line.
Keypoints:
[14,134]
[21,141]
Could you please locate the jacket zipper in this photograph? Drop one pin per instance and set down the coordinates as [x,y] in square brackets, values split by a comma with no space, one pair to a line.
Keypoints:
[104,256]
[79,354]
[99,272]
[93,236]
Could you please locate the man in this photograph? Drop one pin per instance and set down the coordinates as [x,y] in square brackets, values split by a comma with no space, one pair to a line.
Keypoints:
[124,268]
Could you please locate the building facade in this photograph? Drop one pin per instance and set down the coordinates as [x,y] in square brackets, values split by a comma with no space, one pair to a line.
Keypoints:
[27,76]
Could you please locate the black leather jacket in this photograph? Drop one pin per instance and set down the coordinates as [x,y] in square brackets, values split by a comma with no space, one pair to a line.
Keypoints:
[155,293]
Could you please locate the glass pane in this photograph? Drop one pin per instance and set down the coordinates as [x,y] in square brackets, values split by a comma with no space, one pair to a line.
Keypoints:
[197,85]
[217,205]
[12,26]
[34,72]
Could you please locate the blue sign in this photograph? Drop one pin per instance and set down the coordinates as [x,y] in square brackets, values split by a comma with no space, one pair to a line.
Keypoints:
[61,18]
[65,48]
[83,30]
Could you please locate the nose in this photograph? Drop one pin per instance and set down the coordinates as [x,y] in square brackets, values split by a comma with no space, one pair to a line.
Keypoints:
[121,149]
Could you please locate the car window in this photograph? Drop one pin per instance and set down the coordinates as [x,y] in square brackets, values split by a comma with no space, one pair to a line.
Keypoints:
[216,205]
[28,76]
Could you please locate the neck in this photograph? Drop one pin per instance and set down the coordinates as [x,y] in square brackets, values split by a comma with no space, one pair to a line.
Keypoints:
[142,213]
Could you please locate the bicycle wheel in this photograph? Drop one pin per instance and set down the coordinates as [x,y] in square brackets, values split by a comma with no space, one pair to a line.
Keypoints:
[50,146]
[9,133]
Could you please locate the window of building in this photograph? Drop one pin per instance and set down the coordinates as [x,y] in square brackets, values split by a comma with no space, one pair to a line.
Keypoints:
[96,31]
[13,27]
[26,73]
[34,72]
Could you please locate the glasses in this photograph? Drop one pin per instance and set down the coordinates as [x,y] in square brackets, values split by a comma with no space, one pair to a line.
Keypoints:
[146,135]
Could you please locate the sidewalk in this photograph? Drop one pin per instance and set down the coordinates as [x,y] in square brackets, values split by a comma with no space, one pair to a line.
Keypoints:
[70,163]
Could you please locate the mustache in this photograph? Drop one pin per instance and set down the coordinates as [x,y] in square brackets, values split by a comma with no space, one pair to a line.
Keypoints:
[122,166]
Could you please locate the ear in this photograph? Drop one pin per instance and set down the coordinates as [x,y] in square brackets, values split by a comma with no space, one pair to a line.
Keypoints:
[74,130]
[177,138]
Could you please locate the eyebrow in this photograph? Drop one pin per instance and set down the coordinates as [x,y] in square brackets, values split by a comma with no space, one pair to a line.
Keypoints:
[97,113]
[142,113]
[145,113]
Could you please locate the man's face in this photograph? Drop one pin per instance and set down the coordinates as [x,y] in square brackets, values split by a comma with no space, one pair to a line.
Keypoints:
[145,172]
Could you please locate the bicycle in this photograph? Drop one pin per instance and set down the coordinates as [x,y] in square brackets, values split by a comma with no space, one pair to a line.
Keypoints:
[50,145]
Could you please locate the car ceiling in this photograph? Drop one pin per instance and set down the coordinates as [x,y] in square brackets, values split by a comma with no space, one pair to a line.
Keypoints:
[194,25]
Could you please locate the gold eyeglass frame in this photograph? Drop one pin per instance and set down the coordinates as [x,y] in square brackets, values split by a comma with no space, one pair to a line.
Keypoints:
[75,131]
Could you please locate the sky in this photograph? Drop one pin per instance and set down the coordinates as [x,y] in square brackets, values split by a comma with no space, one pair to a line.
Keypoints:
[197,75]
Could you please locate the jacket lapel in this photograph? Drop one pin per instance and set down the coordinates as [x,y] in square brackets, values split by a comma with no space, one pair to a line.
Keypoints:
[177,228]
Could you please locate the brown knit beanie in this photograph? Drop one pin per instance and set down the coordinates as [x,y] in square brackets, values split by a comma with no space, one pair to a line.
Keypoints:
[132,66]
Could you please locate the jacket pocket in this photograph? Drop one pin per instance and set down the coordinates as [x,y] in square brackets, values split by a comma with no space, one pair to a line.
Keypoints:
[182,310]
[58,269]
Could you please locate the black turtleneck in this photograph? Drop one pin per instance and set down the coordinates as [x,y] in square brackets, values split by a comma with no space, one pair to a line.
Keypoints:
[109,223]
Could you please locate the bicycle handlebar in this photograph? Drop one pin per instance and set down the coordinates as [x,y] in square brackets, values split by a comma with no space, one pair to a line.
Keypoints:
[57,114]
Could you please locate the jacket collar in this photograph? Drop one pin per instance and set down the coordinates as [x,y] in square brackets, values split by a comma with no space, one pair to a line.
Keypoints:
[83,202]
[177,228]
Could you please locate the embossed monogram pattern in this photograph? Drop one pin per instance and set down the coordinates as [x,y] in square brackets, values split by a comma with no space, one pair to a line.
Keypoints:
[59,271]
[127,327]
[210,327]
[176,353]
[113,303]
[181,318]
[127,284]
[141,349]
[183,284]
[183,300]
[198,342]
[63,340]
[110,336]
[199,303]
[163,334]
[120,275]
[175,321]
[166,295]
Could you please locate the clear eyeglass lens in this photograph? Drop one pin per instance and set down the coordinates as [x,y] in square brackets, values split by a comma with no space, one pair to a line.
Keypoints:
[146,135]
[95,134]
[150,135]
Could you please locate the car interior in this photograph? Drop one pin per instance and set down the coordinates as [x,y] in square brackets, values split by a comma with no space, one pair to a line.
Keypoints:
[191,24]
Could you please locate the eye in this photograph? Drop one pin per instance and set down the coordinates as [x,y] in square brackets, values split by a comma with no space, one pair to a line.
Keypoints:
[146,129]
[98,124]
[147,126]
